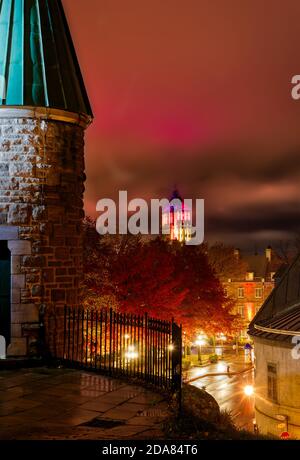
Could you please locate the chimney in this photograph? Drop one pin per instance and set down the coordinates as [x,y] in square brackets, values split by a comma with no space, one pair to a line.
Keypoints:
[269,253]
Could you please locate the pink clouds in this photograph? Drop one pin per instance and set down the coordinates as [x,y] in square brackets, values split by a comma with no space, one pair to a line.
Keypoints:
[197,93]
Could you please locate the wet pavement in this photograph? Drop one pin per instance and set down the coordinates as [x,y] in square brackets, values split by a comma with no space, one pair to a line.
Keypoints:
[228,391]
[69,404]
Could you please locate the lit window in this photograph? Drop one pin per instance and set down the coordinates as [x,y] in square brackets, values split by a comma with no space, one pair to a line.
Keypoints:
[272,382]
[241,310]
[249,276]
[240,292]
[258,293]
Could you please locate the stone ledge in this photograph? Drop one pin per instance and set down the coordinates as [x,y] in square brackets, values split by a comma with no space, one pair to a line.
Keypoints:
[19,247]
[9,232]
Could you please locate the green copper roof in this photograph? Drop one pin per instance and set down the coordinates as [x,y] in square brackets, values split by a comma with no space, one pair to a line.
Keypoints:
[37,57]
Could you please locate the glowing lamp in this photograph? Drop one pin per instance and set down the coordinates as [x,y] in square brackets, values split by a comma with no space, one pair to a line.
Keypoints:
[249,390]
[131,353]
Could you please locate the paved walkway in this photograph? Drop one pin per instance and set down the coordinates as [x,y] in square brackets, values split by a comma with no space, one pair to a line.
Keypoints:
[68,404]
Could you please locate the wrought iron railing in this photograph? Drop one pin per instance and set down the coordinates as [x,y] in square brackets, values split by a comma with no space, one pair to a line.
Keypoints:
[118,344]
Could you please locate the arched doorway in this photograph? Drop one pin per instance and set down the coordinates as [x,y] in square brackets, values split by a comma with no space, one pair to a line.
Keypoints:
[5,288]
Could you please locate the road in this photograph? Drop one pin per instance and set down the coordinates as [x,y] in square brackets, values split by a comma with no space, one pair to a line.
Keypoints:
[228,390]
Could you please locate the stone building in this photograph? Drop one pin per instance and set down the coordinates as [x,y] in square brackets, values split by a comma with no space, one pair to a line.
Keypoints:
[44,111]
[276,334]
[252,288]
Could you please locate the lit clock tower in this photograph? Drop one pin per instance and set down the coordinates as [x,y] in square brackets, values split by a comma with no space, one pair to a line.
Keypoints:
[178,218]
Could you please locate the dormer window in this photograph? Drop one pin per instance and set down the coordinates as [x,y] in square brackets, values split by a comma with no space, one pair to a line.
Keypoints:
[249,276]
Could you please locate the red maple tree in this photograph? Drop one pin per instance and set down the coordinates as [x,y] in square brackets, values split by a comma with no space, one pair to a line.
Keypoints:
[166,281]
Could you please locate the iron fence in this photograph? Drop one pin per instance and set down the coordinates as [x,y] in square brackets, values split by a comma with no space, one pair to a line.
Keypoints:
[120,344]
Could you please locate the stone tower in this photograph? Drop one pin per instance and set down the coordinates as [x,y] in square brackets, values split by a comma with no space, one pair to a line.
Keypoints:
[44,111]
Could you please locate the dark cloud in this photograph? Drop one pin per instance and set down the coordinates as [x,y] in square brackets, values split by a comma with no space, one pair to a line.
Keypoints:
[255,219]
[195,93]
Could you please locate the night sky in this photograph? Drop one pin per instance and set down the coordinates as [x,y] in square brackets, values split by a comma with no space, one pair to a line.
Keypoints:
[195,92]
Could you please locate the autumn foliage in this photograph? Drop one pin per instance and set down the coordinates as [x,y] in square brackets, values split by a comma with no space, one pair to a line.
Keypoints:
[166,281]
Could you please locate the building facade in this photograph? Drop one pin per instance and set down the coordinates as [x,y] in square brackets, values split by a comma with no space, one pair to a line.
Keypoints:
[276,334]
[253,287]
[44,111]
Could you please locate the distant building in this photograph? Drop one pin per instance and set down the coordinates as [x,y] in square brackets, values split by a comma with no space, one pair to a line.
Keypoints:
[276,334]
[178,218]
[254,286]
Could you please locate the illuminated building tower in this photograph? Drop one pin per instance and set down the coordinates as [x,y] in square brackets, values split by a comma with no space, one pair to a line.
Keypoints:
[178,218]
[44,111]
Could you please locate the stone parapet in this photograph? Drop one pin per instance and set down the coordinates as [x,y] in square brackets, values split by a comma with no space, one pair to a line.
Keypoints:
[41,210]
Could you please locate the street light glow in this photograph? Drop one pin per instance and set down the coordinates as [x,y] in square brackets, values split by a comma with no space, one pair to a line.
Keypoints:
[223,337]
[221,367]
[200,340]
[131,353]
[249,390]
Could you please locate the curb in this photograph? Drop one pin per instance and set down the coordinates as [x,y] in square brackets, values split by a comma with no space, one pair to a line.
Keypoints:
[12,364]
[216,374]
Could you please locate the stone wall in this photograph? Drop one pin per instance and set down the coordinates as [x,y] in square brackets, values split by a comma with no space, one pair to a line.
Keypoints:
[41,209]
[288,404]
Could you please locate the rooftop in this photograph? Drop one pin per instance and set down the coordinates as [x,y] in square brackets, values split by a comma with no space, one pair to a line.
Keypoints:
[38,63]
[279,317]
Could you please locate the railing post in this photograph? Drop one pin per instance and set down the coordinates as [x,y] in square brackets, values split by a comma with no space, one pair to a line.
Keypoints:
[177,362]
[146,370]
[110,339]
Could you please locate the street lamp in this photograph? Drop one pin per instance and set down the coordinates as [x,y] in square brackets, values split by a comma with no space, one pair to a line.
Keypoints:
[222,337]
[200,342]
[131,353]
[249,390]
